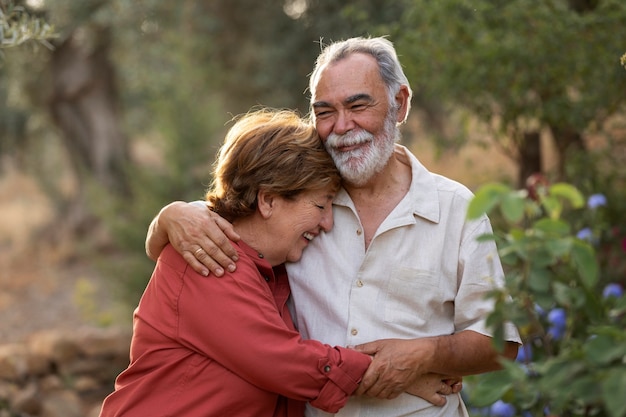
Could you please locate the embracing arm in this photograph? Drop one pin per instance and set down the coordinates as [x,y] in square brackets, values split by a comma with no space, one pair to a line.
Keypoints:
[399,363]
[198,234]
[237,322]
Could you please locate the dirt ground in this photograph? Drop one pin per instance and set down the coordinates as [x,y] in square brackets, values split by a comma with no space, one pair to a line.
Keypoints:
[39,288]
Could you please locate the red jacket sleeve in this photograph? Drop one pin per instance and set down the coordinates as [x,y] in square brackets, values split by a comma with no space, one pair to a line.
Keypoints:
[235,321]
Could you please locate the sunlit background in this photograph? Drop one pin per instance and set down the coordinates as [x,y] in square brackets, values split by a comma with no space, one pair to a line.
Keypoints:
[110,109]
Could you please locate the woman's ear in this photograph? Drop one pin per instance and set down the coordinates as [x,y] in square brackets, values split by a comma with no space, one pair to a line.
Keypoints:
[265,203]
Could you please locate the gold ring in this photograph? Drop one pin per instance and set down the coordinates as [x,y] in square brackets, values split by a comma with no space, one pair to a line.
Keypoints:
[198,250]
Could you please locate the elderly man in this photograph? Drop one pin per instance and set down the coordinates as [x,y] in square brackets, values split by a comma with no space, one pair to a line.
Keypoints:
[401,276]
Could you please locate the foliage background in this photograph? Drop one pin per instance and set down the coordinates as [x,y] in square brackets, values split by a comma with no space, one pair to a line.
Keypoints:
[116,107]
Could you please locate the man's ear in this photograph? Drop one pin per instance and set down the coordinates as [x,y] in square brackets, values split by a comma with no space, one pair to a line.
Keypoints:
[265,203]
[402,103]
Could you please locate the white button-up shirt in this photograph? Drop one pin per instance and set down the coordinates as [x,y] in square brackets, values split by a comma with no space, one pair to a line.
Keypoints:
[424,274]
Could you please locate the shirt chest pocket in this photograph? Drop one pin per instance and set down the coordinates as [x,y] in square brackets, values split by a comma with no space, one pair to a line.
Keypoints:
[412,297]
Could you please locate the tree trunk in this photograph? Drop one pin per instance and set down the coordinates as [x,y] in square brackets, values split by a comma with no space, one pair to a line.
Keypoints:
[567,141]
[83,105]
[529,157]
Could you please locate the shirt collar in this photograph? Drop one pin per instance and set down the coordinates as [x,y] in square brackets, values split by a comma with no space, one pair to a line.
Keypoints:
[262,265]
[422,198]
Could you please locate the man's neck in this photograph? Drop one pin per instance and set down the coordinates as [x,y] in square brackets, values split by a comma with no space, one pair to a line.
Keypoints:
[376,199]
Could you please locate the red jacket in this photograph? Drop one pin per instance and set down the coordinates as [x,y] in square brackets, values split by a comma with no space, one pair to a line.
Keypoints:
[226,347]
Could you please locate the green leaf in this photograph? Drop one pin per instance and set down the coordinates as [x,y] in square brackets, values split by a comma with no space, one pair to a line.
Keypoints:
[562,293]
[558,373]
[490,388]
[552,227]
[515,371]
[559,247]
[513,206]
[514,245]
[585,261]
[603,349]
[568,192]
[545,301]
[568,295]
[552,206]
[539,280]
[541,258]
[612,391]
[486,199]
[584,388]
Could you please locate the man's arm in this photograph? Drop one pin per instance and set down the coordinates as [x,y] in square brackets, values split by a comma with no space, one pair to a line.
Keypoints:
[399,363]
[198,234]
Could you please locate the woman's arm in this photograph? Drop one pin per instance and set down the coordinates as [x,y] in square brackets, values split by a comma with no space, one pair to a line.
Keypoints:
[198,234]
[236,322]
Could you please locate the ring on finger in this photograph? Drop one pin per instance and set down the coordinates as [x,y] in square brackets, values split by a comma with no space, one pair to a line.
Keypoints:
[198,251]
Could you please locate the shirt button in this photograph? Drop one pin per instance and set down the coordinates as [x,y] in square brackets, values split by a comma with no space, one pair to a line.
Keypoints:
[359,283]
[266,278]
[327,368]
[359,232]
[354,332]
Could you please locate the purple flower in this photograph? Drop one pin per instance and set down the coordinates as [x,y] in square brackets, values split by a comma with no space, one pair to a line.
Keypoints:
[557,318]
[596,200]
[585,234]
[556,333]
[613,290]
[502,409]
[524,354]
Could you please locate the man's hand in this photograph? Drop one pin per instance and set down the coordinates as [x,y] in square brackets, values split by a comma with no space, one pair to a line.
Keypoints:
[435,387]
[198,234]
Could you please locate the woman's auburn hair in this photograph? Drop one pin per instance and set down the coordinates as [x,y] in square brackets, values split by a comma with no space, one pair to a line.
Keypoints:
[272,150]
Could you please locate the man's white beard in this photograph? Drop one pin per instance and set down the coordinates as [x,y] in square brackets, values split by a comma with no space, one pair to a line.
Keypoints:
[359,165]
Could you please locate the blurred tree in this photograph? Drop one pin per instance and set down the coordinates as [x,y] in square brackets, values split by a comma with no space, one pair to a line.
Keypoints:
[126,75]
[79,90]
[84,105]
[264,51]
[521,68]
[255,47]
[19,25]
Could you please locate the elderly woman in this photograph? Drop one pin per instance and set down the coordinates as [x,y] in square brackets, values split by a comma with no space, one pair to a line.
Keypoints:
[228,346]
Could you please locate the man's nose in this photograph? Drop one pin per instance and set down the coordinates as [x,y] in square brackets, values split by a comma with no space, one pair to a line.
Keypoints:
[344,123]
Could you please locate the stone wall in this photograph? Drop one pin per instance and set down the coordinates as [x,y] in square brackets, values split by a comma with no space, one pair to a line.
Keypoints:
[61,373]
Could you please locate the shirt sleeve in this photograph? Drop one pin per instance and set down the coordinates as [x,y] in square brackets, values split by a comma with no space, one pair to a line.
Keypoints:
[480,271]
[234,320]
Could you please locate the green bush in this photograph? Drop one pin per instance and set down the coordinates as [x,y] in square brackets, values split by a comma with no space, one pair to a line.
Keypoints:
[562,291]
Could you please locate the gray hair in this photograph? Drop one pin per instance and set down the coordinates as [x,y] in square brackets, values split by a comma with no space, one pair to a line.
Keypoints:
[380,48]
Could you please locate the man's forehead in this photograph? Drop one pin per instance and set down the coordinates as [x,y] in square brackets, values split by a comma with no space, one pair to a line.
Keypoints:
[350,79]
